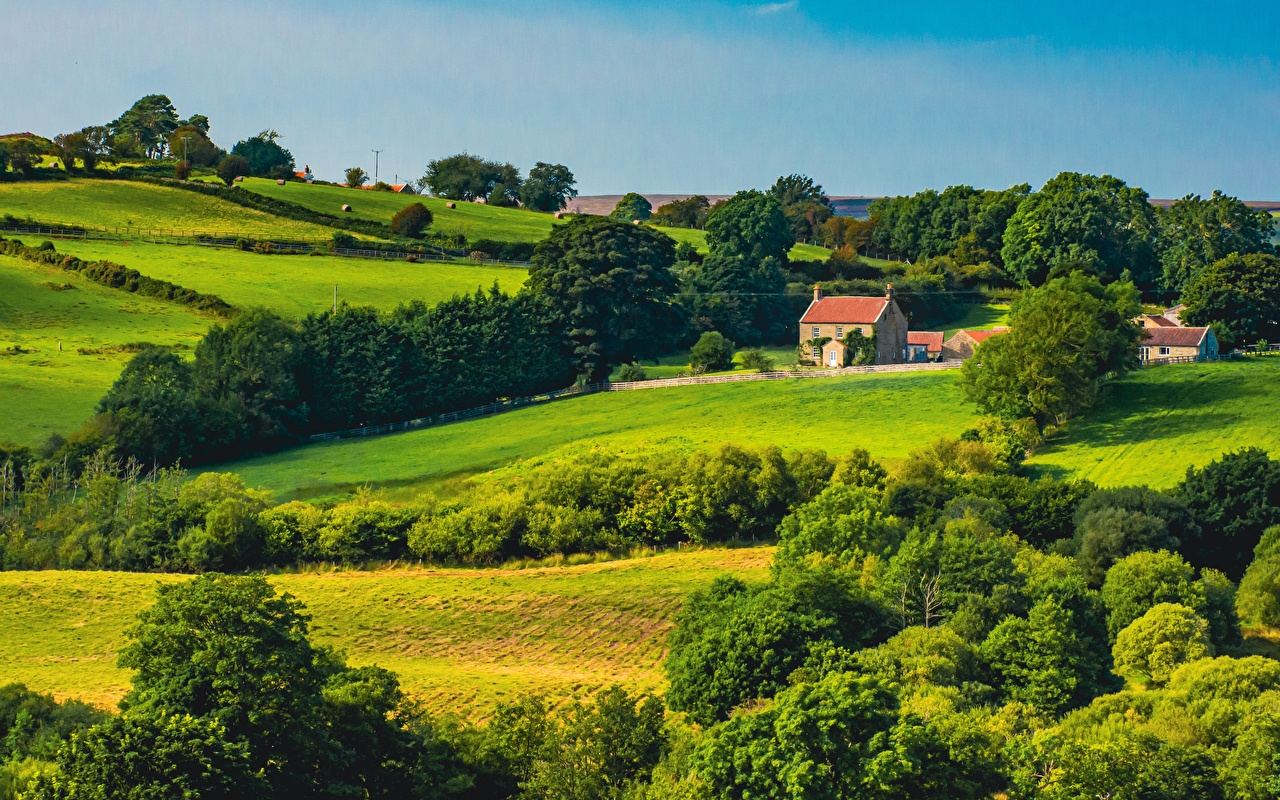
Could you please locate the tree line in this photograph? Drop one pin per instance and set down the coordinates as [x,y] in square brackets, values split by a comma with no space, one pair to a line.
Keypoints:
[944,629]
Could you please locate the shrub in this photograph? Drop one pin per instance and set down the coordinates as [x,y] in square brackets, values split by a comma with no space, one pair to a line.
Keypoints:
[411,221]
[712,353]
[356,177]
[1159,641]
[756,359]
[232,167]
[1142,581]
[182,170]
[631,372]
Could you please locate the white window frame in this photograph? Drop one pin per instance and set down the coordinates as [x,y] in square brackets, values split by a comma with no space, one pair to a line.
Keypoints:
[817,333]
[858,330]
[839,331]
[817,353]
[1164,351]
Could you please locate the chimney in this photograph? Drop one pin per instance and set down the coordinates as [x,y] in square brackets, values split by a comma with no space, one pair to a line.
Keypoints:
[888,291]
[817,292]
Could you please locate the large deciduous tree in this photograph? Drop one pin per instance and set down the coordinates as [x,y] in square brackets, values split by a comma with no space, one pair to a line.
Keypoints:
[1232,500]
[146,126]
[469,178]
[610,286]
[1197,232]
[548,188]
[1077,221]
[153,408]
[1063,338]
[266,157]
[1242,292]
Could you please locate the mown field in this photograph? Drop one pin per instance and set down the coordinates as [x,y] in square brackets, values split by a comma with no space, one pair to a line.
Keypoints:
[1157,422]
[44,390]
[474,220]
[979,317]
[697,238]
[459,639]
[887,414]
[298,285]
[108,203]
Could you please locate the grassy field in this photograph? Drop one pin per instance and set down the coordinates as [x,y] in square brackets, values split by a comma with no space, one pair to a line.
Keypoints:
[459,639]
[46,390]
[1157,422]
[887,414]
[676,364]
[298,285]
[475,220]
[980,318]
[143,205]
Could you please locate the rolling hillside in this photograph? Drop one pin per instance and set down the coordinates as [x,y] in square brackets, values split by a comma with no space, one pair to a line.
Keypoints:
[887,414]
[298,285]
[459,639]
[44,390]
[109,203]
[1157,422]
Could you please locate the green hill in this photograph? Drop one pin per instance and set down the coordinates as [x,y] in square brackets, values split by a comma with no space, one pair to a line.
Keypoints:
[1157,422]
[889,414]
[459,639]
[298,285]
[475,220]
[697,238]
[147,206]
[44,390]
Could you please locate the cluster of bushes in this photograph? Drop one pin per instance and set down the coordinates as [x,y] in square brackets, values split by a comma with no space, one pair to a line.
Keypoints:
[945,630]
[548,188]
[117,277]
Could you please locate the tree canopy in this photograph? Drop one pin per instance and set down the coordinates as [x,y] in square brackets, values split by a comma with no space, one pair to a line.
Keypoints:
[633,206]
[146,126]
[265,156]
[1198,232]
[469,178]
[1242,292]
[548,188]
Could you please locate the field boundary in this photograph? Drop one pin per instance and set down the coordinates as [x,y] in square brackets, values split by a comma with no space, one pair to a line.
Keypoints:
[490,409]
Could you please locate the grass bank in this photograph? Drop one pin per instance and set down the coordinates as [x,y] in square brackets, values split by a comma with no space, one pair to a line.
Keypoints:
[85,201]
[298,285]
[45,390]
[887,414]
[1155,423]
[459,639]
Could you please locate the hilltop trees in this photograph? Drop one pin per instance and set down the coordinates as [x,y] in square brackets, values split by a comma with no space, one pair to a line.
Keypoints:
[548,188]
[265,156]
[633,206]
[232,167]
[963,223]
[1198,232]
[803,203]
[356,177]
[1241,292]
[609,286]
[1083,222]
[145,128]
[192,143]
[467,177]
[690,212]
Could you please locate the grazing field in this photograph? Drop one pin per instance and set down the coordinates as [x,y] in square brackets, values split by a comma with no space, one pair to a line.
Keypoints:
[697,238]
[1157,422]
[144,205]
[298,285]
[887,414]
[459,639]
[677,364]
[979,318]
[44,390]
[474,220]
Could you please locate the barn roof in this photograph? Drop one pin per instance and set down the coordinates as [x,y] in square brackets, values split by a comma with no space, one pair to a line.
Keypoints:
[932,340]
[1174,337]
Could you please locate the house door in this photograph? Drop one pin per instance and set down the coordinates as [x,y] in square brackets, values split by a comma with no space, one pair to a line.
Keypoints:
[833,359]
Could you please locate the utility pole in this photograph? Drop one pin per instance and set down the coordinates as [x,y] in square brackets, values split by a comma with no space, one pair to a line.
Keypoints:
[375,165]
[186,155]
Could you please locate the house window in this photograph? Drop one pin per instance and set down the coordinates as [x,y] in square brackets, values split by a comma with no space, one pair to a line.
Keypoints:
[1144,353]
[817,332]
[1164,351]
[839,331]
[817,352]
[858,330]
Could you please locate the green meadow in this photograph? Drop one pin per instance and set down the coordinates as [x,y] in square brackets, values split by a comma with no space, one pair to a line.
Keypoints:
[1156,422]
[144,205]
[474,220]
[889,414]
[297,285]
[978,317]
[45,390]
[460,640]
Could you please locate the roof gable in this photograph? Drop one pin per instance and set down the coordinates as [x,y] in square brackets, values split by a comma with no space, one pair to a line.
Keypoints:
[1174,337]
[845,310]
[932,340]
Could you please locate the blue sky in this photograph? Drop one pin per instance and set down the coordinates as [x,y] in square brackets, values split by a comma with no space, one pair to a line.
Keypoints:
[685,96]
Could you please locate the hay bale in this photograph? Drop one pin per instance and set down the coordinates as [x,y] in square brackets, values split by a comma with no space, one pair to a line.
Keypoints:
[346,208]
[450,204]
[239,178]
[559,215]
[279,181]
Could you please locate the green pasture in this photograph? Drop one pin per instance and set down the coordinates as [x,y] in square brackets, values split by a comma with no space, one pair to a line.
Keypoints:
[474,220]
[1156,422]
[698,238]
[44,390]
[978,317]
[112,204]
[297,285]
[461,640]
[677,364]
[889,414]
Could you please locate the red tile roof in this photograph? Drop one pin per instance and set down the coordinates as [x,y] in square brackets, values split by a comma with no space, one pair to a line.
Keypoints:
[855,310]
[932,340]
[982,336]
[1173,337]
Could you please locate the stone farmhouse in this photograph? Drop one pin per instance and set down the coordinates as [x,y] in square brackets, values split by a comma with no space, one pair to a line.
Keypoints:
[834,318]
[962,343]
[1174,342]
[924,346]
